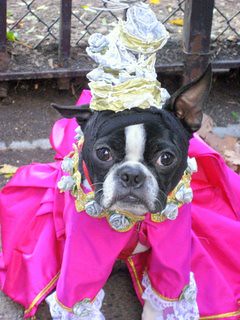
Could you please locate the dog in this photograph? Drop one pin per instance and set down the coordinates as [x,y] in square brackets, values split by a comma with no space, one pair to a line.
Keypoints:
[135,158]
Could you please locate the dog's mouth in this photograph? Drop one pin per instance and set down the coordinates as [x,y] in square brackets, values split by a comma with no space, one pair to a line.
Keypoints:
[130,202]
[138,197]
[130,198]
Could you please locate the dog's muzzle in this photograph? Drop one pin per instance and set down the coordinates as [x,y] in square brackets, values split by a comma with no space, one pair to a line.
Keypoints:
[130,185]
[131,177]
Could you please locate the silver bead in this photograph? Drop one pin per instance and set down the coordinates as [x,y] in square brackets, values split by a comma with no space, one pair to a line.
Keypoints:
[192,165]
[180,194]
[188,195]
[171,211]
[83,308]
[93,209]
[119,222]
[67,165]
[184,195]
[66,183]
[190,292]
[79,133]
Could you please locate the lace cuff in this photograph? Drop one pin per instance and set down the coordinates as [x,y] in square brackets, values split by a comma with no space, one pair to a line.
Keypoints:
[183,309]
[83,310]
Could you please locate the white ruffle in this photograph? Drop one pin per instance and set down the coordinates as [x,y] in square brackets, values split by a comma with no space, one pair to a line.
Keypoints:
[184,309]
[83,310]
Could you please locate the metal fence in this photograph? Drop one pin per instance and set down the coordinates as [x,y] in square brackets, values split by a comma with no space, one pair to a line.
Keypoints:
[48,38]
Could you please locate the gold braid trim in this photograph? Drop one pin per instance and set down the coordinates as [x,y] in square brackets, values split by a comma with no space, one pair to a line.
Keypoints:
[42,293]
[221,316]
[139,285]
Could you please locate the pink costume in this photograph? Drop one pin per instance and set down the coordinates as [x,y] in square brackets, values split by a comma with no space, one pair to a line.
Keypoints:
[47,244]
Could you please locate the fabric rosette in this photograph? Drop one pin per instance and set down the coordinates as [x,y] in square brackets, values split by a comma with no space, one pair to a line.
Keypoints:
[108,52]
[142,32]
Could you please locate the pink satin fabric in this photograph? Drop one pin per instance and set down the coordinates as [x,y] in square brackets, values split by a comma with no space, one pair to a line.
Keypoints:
[43,234]
[85,270]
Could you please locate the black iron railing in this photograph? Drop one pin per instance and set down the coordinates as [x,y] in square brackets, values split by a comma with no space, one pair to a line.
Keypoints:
[192,47]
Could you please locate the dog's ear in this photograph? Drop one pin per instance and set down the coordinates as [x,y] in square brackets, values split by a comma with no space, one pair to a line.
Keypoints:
[81,113]
[188,101]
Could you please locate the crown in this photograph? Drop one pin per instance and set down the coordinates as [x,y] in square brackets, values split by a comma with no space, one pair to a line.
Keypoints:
[126,63]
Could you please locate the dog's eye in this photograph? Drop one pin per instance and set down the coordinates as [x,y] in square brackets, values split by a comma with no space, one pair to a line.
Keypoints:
[104,154]
[165,159]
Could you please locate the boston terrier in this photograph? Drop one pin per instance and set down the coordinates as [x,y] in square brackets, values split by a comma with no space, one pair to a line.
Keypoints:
[135,158]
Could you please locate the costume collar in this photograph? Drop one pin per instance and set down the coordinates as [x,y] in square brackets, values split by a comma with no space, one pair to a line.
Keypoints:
[119,220]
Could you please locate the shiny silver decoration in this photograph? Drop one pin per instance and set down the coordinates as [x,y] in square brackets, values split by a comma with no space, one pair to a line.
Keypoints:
[119,222]
[188,195]
[126,60]
[171,211]
[67,165]
[66,183]
[90,310]
[142,23]
[192,165]
[184,195]
[79,133]
[190,292]
[83,308]
[93,209]
[164,96]
[98,43]
[108,52]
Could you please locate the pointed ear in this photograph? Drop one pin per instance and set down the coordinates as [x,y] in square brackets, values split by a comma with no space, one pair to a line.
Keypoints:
[188,101]
[81,113]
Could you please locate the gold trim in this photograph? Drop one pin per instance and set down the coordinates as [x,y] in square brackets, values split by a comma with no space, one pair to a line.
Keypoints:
[163,297]
[42,293]
[62,305]
[132,218]
[81,198]
[71,309]
[131,263]
[223,315]
[129,215]
[158,217]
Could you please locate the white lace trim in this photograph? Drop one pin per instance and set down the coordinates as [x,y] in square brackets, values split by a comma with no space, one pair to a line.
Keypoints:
[184,309]
[83,310]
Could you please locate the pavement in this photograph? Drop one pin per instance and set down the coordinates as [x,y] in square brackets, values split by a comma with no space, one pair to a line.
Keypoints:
[26,119]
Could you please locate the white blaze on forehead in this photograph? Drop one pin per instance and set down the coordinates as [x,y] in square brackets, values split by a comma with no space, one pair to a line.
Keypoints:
[135,142]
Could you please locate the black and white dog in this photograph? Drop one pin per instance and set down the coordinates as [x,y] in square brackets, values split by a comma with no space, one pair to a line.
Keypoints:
[136,157]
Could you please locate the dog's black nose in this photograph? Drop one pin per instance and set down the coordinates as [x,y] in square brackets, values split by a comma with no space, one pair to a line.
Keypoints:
[132,177]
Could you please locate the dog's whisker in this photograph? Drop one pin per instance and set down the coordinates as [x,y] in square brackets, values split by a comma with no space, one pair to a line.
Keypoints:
[163,193]
[160,204]
[96,183]
[100,190]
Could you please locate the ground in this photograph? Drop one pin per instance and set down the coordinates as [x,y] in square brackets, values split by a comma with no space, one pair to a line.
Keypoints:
[26,115]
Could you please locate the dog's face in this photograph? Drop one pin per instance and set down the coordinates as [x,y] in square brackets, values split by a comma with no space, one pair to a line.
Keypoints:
[134,167]
[135,158]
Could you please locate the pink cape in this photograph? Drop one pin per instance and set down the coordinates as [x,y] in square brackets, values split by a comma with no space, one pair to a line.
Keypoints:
[35,230]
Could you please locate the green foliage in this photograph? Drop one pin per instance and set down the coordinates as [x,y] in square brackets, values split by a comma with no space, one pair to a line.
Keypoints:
[11,36]
[9,13]
[235,115]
